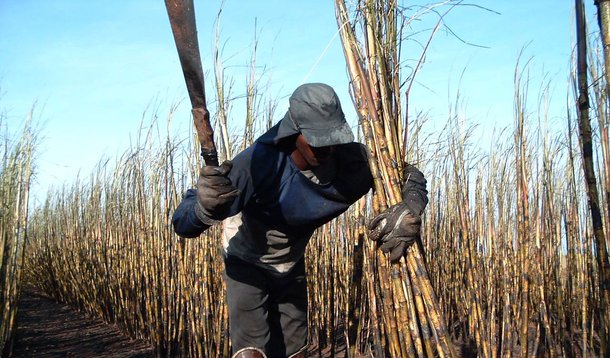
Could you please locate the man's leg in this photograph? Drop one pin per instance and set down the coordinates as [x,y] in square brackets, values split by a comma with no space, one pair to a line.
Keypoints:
[288,313]
[247,299]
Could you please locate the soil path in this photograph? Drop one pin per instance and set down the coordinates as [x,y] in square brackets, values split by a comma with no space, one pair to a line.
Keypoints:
[48,329]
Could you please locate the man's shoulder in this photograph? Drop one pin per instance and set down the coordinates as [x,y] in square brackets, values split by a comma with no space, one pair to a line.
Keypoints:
[257,152]
[260,161]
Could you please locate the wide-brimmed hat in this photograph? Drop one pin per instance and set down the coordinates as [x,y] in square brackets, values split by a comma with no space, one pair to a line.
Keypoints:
[315,111]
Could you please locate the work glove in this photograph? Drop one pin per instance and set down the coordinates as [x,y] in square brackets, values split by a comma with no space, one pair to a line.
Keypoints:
[395,230]
[215,193]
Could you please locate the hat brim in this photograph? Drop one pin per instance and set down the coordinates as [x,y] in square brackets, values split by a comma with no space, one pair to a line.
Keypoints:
[328,136]
[315,137]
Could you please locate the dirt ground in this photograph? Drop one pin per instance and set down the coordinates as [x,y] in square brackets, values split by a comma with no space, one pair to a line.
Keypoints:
[48,329]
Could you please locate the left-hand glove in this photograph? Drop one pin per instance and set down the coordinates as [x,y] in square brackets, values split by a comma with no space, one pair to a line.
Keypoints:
[396,229]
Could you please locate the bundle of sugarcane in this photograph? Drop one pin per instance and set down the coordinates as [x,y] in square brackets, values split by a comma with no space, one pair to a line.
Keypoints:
[410,319]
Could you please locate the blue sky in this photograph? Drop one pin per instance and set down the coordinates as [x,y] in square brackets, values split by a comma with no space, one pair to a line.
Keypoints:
[96,70]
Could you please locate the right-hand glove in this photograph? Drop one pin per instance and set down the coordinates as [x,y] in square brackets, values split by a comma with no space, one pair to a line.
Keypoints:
[215,193]
[396,229]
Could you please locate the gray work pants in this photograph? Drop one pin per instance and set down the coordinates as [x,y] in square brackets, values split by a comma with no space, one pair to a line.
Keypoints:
[266,312]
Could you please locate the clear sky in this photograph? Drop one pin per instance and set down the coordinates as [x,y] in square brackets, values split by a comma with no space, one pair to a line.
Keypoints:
[94,68]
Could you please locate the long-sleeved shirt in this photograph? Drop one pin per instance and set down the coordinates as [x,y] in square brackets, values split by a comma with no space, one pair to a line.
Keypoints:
[279,206]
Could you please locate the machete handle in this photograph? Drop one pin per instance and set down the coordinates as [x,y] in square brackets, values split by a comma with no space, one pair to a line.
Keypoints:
[201,117]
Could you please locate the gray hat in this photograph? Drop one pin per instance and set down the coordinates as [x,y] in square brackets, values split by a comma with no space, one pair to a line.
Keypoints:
[315,112]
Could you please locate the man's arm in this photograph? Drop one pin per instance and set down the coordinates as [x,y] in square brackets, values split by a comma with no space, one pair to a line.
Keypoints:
[185,221]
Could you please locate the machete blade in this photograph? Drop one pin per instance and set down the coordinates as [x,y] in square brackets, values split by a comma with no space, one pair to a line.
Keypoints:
[182,19]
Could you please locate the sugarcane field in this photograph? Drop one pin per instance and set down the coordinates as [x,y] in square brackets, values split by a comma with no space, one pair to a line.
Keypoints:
[364,178]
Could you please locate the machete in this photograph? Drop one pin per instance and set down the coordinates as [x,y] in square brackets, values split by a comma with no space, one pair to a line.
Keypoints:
[182,19]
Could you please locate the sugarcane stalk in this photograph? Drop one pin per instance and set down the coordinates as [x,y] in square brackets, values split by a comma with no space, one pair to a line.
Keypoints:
[423,325]
[584,127]
[353,58]
[603,20]
[414,322]
[418,271]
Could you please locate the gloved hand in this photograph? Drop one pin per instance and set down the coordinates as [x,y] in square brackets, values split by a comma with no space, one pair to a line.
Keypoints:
[215,193]
[396,229]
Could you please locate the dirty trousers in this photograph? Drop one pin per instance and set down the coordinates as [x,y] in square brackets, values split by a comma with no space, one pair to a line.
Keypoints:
[266,312]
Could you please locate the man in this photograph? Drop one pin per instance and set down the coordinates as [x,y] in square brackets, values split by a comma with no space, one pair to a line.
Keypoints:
[299,175]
